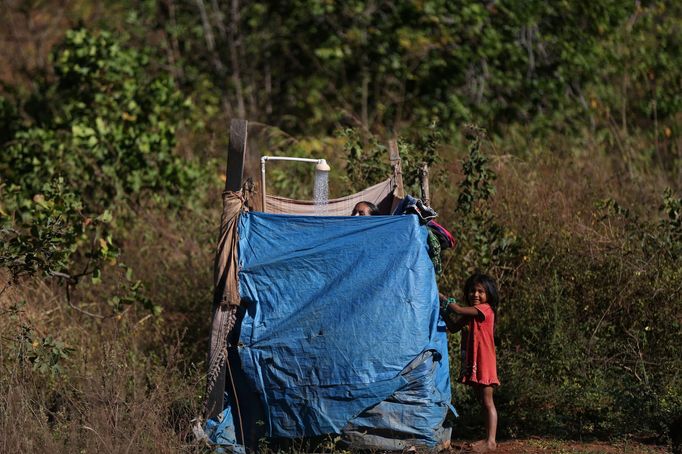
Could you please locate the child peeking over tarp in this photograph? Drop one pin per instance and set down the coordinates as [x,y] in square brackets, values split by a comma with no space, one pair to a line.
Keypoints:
[365,208]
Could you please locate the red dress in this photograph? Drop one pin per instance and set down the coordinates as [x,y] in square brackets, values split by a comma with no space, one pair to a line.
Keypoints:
[479,363]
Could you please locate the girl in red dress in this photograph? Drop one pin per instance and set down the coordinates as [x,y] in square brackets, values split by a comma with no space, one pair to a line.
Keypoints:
[479,368]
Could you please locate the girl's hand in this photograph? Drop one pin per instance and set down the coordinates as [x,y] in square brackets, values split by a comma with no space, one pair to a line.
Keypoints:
[451,306]
[453,320]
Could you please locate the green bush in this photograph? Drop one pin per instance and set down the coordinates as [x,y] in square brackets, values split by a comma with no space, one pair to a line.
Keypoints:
[106,126]
[92,144]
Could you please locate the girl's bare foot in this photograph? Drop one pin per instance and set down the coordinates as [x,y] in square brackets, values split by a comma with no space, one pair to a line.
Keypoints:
[484,446]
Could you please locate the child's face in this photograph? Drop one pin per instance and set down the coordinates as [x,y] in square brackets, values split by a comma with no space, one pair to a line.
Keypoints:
[477,295]
[361,210]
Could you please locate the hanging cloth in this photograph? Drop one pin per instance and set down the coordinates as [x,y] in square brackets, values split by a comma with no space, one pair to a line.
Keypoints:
[380,194]
[225,299]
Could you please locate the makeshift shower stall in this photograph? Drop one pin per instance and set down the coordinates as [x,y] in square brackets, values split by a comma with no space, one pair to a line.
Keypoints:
[323,325]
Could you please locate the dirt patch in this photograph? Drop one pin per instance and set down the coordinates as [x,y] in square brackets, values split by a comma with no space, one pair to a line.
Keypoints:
[542,445]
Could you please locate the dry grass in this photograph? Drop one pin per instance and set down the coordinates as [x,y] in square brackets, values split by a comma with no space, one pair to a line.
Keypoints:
[133,382]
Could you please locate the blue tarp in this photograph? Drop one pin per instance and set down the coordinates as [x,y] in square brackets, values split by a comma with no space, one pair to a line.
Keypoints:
[342,333]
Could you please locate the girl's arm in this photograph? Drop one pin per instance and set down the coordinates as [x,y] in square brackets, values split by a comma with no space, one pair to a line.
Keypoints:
[454,319]
[463,310]
[457,309]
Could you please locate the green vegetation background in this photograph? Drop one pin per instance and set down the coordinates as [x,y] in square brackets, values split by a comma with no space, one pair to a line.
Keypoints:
[113,129]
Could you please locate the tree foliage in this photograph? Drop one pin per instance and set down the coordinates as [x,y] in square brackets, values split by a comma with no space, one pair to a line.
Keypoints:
[97,137]
[104,125]
[312,65]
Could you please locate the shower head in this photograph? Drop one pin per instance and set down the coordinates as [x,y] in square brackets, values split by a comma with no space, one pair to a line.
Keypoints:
[322,166]
[321,169]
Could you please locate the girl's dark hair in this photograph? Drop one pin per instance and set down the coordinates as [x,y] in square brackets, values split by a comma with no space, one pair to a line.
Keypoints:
[373,210]
[488,284]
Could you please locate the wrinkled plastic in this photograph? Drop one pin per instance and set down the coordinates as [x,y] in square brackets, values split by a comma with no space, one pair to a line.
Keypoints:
[342,333]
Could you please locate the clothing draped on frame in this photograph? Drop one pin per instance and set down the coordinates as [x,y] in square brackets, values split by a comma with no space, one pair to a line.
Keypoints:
[439,237]
[225,298]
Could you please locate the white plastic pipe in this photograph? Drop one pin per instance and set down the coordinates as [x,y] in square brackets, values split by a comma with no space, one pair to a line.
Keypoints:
[321,165]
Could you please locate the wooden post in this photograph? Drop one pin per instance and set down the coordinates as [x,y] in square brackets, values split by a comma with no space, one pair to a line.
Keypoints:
[398,189]
[234,174]
[236,154]
[424,183]
[215,400]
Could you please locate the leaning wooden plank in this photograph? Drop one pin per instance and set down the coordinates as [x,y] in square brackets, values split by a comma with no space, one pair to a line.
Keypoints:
[394,156]
[236,154]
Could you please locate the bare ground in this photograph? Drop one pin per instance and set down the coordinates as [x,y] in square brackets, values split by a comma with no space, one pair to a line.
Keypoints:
[545,445]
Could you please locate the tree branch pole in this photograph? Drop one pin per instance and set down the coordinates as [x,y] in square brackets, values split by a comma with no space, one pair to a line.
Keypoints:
[424,183]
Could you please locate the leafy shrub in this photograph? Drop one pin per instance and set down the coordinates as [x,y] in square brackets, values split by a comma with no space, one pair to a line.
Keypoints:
[485,244]
[105,125]
[367,159]
[40,235]
[98,137]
